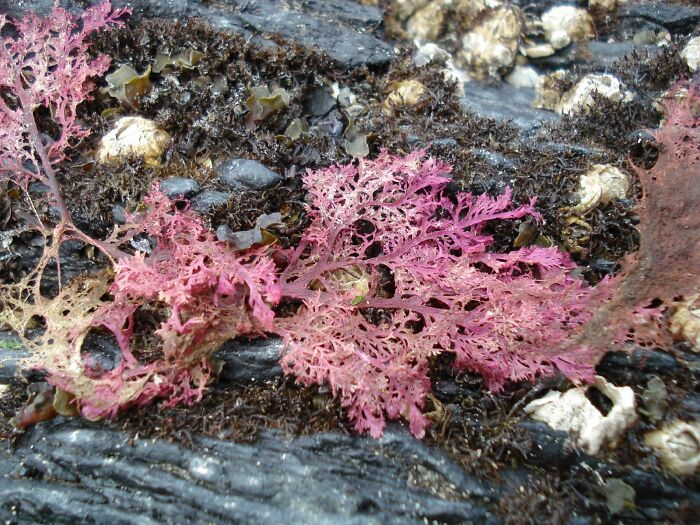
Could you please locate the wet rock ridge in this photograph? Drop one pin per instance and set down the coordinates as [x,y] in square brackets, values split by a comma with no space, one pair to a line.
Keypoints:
[349,32]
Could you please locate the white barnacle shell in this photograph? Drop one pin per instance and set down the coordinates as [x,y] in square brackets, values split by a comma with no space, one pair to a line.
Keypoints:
[601,185]
[133,137]
[685,322]
[573,412]
[678,446]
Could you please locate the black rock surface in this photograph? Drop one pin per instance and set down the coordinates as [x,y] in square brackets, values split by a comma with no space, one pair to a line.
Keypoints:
[504,102]
[319,102]
[72,471]
[250,361]
[673,16]
[344,29]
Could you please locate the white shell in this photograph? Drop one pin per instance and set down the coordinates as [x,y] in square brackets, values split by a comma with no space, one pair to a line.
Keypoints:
[576,23]
[579,99]
[523,77]
[601,185]
[691,53]
[603,5]
[678,446]
[685,322]
[573,412]
[426,23]
[133,137]
[491,48]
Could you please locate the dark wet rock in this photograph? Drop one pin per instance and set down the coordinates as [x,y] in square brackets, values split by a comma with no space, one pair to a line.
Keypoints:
[118,214]
[246,174]
[343,29]
[674,17]
[659,492]
[495,159]
[252,361]
[332,124]
[548,447]
[11,355]
[69,471]
[175,187]
[73,262]
[209,200]
[503,102]
[567,147]
[329,26]
[101,352]
[632,368]
[593,52]
[690,407]
[319,102]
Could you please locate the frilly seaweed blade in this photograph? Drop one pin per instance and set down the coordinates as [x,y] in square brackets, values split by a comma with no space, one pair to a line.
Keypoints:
[394,269]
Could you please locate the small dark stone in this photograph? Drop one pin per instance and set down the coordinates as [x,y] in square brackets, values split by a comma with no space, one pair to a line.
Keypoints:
[175,187]
[602,266]
[246,174]
[332,124]
[319,102]
[449,390]
[118,214]
[209,200]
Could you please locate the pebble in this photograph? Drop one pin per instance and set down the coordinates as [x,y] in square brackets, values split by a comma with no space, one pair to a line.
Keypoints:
[246,174]
[174,187]
[209,200]
[319,102]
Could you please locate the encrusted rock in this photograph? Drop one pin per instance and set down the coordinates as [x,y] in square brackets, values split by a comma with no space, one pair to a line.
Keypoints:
[133,137]
[678,446]
[404,93]
[549,92]
[490,49]
[579,99]
[429,53]
[685,322]
[565,24]
[573,412]
[691,53]
[603,5]
[427,22]
[600,185]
